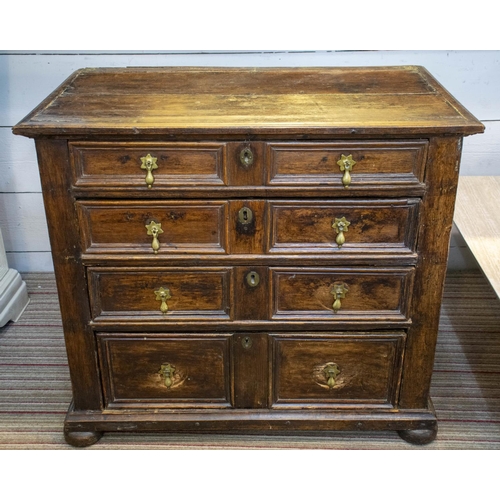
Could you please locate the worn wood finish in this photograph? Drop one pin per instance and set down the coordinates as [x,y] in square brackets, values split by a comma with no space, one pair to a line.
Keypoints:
[247,190]
[246,168]
[374,225]
[436,221]
[120,227]
[329,103]
[373,295]
[70,274]
[129,293]
[132,375]
[251,372]
[118,164]
[376,162]
[251,287]
[247,236]
[367,370]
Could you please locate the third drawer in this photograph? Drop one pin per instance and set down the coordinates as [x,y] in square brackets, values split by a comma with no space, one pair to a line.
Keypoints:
[166,295]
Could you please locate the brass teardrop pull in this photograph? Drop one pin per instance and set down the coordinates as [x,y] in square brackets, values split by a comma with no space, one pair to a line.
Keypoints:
[346,163]
[149,164]
[163,294]
[154,229]
[167,372]
[341,226]
[338,291]
[331,371]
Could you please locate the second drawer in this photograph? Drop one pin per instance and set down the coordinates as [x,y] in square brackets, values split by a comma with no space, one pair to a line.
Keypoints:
[166,228]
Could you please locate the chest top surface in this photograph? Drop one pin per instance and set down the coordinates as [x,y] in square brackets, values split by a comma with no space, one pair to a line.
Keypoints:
[349,102]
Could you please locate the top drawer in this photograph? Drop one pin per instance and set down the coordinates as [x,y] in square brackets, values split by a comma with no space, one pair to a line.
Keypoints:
[148,164]
[343,166]
[347,164]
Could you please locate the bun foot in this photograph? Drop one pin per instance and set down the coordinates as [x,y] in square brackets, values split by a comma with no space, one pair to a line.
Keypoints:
[419,436]
[82,439]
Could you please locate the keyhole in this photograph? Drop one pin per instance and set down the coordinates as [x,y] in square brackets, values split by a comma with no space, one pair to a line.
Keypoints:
[253,278]
[245,216]
[246,342]
[246,157]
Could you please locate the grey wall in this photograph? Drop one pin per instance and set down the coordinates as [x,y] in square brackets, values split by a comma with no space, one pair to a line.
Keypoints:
[473,77]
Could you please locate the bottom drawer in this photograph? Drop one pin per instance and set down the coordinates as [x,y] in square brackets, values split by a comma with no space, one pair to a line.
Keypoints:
[337,370]
[167,371]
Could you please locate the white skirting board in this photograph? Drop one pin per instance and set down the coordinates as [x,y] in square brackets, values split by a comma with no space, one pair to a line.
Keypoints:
[13,293]
[13,297]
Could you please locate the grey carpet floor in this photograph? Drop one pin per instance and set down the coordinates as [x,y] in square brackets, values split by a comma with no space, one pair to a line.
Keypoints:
[35,390]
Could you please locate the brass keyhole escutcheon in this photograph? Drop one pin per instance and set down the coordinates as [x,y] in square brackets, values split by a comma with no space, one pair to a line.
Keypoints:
[246,157]
[253,278]
[245,216]
[246,342]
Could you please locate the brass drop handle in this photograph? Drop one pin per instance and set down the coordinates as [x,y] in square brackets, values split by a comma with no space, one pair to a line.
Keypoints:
[338,291]
[331,371]
[341,226]
[149,164]
[154,229]
[167,372]
[163,294]
[346,163]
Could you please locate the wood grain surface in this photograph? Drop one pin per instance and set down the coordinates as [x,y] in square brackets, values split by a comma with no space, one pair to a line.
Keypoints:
[262,147]
[208,100]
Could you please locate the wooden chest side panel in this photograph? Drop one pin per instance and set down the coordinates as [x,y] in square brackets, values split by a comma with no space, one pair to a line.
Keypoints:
[70,275]
[433,244]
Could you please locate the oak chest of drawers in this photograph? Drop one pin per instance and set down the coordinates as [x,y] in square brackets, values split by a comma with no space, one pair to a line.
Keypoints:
[250,250]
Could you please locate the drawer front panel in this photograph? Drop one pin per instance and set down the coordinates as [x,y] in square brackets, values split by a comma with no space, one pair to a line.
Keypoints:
[120,164]
[341,294]
[165,371]
[343,226]
[160,294]
[375,162]
[330,370]
[180,227]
